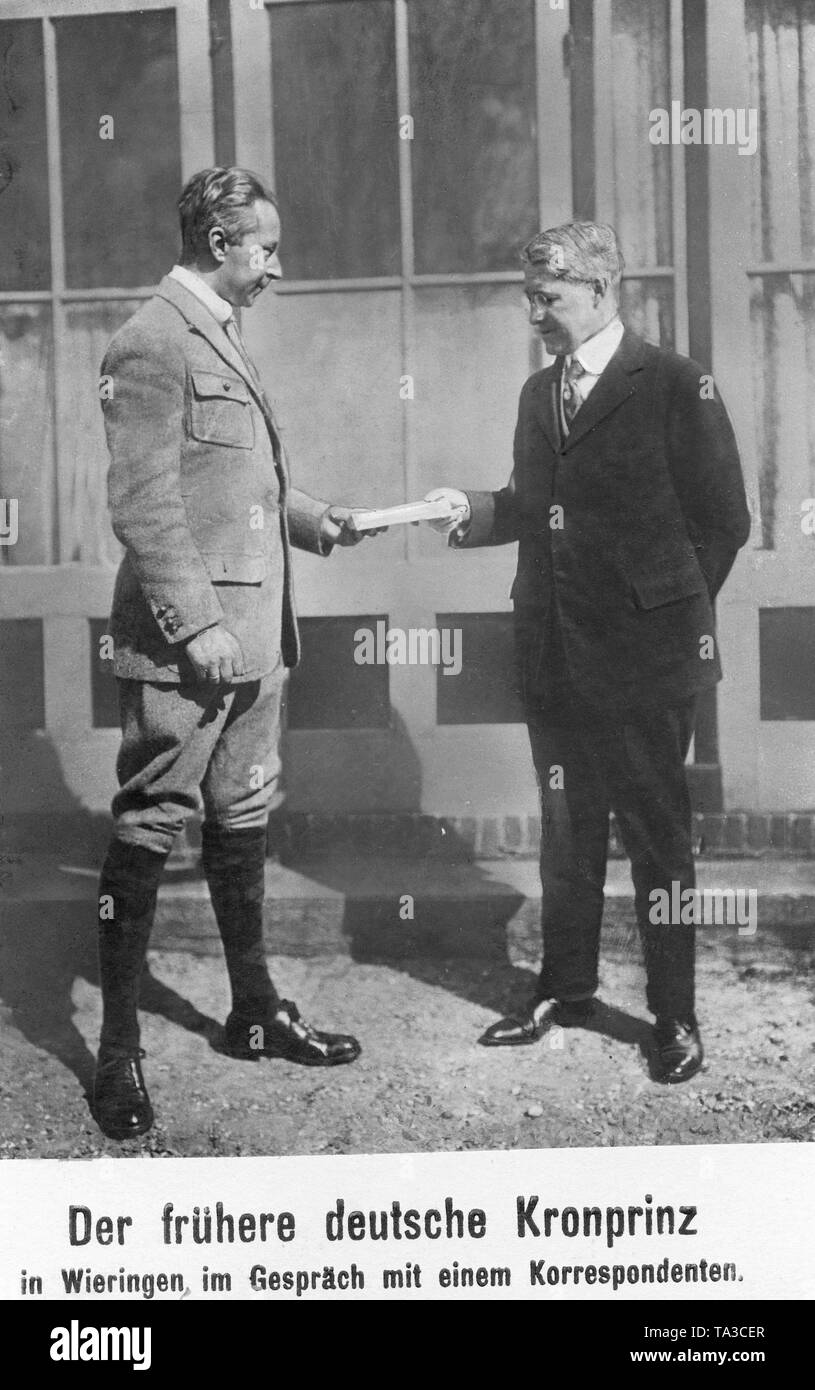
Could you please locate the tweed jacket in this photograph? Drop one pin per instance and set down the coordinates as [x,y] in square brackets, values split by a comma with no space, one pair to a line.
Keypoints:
[627,528]
[199,495]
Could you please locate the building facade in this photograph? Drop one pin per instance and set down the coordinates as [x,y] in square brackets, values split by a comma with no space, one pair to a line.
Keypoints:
[415,146]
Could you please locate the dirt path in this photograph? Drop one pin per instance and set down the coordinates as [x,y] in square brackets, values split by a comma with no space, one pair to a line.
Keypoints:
[422,1082]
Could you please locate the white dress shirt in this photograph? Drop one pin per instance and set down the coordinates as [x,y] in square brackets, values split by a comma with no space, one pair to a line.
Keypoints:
[594,356]
[220,308]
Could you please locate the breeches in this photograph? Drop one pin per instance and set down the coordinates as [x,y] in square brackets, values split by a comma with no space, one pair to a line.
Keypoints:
[182,745]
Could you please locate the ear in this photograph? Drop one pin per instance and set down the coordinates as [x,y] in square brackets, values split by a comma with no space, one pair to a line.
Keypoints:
[217,244]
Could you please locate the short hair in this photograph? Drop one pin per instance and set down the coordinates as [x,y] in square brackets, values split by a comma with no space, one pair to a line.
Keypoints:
[578,251]
[218,198]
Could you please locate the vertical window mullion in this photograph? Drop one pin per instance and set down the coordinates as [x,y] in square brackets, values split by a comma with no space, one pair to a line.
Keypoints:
[194,87]
[554,137]
[58,490]
[553,133]
[678,237]
[408,315]
[603,113]
[252,56]
[730,236]
[223,84]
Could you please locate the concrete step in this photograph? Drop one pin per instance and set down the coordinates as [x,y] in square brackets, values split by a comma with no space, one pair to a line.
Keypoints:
[722,835]
[377,908]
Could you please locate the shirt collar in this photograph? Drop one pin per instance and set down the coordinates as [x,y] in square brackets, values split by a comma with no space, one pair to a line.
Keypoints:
[220,308]
[595,354]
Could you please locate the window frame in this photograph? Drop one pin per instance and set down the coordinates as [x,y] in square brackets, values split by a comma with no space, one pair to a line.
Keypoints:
[254,140]
[196,133]
[603,114]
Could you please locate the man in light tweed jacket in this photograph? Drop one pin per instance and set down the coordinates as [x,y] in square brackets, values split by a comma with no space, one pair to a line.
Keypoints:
[203,625]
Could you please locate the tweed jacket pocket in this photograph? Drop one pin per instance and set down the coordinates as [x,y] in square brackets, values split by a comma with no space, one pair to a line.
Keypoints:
[235,569]
[220,410]
[655,589]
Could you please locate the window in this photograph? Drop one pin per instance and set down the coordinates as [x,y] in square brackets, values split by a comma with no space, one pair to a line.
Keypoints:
[485,690]
[21,670]
[330,689]
[25,254]
[335,134]
[627,61]
[472,84]
[121,155]
[787,658]
[780,40]
[87,225]
[104,696]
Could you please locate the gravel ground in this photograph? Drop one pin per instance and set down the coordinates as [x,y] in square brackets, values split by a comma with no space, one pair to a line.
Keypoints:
[421,1083]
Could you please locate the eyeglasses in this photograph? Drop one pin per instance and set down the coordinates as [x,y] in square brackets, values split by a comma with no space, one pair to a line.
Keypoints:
[537,299]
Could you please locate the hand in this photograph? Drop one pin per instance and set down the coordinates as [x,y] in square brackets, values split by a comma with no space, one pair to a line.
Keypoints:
[216,655]
[338,528]
[459,509]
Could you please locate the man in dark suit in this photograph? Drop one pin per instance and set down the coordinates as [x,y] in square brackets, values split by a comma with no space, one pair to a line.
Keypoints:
[628,504]
[203,624]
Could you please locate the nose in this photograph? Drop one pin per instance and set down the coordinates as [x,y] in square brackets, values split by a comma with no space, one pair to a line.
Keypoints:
[274,268]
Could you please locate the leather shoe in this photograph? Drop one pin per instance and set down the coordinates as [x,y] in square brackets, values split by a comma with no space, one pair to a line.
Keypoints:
[679,1050]
[121,1105]
[285,1034]
[518,1029]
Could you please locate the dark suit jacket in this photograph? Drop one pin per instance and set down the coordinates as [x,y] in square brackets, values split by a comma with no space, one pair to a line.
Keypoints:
[653,513]
[199,495]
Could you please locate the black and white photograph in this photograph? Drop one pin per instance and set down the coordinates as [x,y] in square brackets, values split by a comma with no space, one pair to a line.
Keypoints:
[407,601]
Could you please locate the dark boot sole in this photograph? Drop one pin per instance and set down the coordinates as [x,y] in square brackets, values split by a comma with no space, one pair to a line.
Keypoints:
[525,1041]
[240,1054]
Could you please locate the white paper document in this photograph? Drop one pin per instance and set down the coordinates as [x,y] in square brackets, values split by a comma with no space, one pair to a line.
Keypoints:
[401,515]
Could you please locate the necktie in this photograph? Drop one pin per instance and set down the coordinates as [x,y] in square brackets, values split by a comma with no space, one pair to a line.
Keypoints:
[233,333]
[572,400]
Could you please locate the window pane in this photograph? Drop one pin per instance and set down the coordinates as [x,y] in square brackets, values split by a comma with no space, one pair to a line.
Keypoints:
[782,310]
[787,652]
[119,192]
[331,365]
[24,224]
[330,689]
[642,172]
[647,306]
[473,103]
[472,358]
[104,696]
[85,532]
[22,686]
[336,132]
[27,429]
[485,691]
[780,38]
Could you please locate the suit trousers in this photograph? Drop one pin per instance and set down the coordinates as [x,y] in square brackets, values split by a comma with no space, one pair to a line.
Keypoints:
[589,763]
[182,740]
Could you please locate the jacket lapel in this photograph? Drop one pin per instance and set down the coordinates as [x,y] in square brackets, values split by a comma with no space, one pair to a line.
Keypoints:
[615,384]
[200,320]
[548,397]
